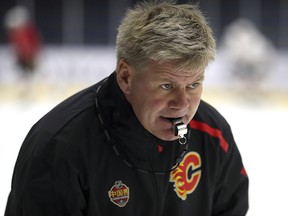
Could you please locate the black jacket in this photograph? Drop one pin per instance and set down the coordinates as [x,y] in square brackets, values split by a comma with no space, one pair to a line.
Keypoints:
[82,160]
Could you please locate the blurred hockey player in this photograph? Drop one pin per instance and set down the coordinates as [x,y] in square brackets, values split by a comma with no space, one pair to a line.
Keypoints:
[23,37]
[248,53]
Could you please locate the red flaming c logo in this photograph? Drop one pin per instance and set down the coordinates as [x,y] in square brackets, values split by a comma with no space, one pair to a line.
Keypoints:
[184,184]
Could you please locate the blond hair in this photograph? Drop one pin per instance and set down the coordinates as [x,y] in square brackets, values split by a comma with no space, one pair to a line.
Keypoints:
[165,32]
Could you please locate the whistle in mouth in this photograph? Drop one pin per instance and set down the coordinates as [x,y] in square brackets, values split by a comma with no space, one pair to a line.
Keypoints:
[179,128]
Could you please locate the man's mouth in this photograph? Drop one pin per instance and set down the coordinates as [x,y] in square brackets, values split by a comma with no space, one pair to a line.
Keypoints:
[175,120]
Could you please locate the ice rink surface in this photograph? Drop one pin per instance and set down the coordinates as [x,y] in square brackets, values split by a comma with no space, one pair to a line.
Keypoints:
[258,116]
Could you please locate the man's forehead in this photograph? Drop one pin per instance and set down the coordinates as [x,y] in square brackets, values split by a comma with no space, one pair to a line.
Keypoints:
[173,68]
[198,75]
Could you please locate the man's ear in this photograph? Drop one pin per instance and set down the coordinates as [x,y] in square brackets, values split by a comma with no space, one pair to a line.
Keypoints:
[124,76]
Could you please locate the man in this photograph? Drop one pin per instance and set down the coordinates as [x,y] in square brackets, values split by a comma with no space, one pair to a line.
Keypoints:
[140,142]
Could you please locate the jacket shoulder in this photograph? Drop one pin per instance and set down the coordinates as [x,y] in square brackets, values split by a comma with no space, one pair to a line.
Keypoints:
[67,110]
[210,115]
[68,113]
[209,121]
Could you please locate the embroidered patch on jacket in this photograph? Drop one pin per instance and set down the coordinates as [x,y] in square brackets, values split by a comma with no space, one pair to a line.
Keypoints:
[119,194]
[187,175]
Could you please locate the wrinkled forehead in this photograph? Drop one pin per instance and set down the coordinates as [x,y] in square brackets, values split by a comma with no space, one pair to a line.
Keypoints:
[173,67]
[155,71]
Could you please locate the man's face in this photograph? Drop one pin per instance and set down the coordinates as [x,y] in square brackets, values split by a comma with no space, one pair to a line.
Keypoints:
[158,93]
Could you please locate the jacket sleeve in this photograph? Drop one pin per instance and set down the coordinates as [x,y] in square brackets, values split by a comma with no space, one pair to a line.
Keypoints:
[38,190]
[231,192]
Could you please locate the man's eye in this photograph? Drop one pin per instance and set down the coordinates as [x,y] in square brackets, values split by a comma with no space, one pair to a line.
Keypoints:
[166,86]
[194,85]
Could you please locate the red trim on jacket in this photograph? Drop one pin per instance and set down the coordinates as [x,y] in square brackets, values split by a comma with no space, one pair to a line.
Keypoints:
[211,131]
[243,172]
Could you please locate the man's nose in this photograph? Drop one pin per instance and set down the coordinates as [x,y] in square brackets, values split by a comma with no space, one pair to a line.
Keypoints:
[180,100]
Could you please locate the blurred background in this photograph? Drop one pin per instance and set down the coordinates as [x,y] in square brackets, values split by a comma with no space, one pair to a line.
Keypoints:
[52,49]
